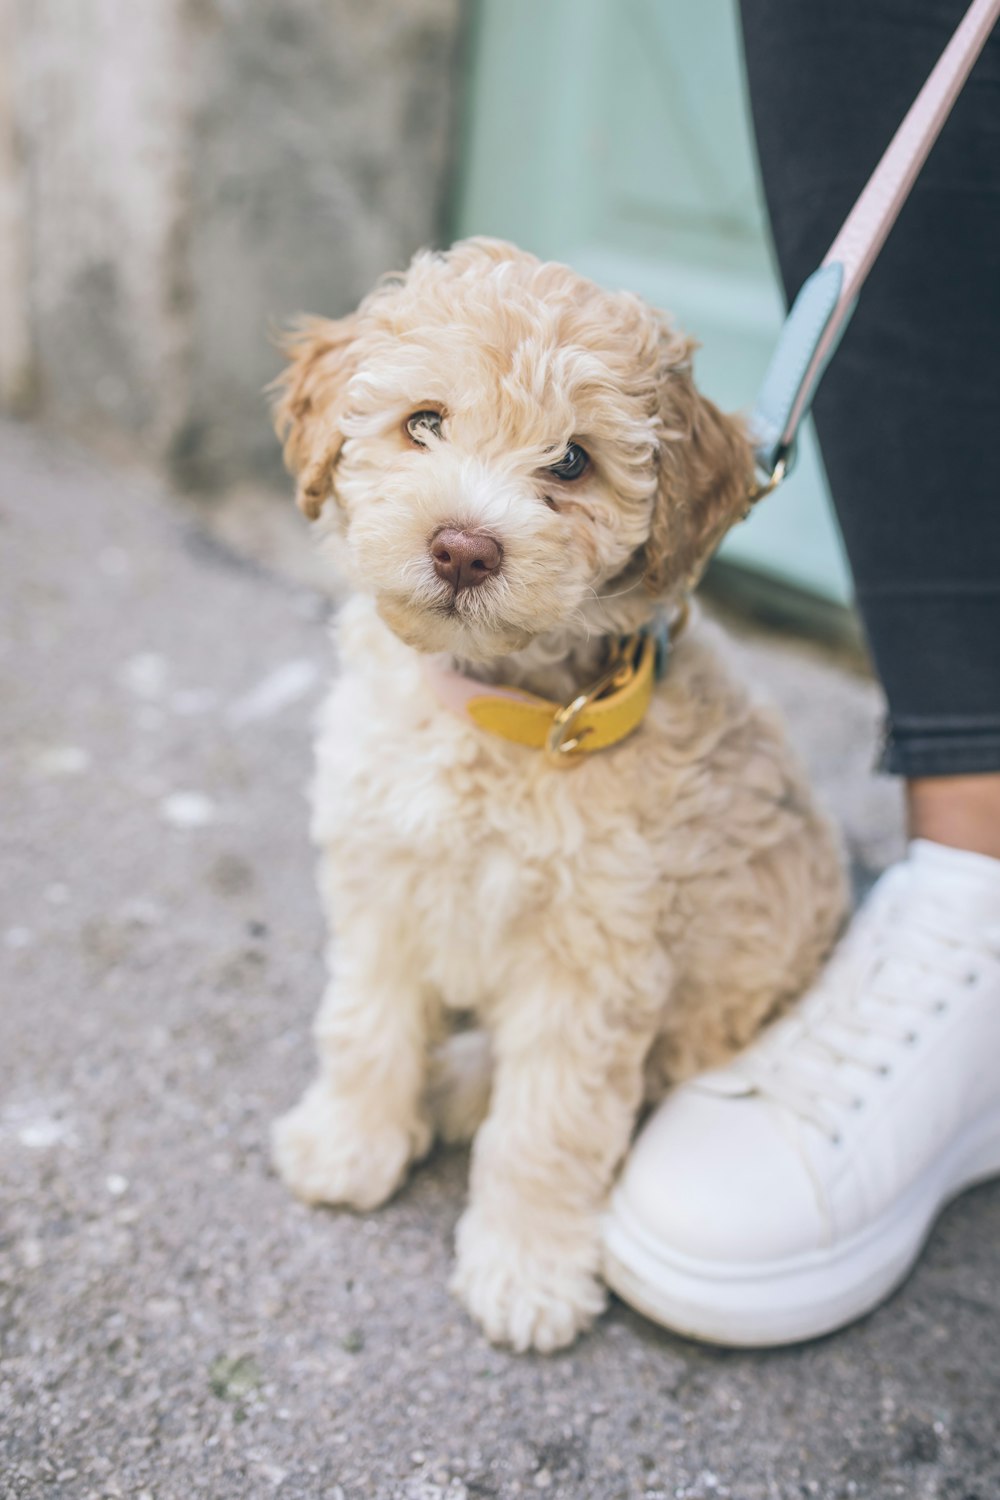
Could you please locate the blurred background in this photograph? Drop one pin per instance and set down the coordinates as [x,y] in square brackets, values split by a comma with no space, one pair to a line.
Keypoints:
[179,177]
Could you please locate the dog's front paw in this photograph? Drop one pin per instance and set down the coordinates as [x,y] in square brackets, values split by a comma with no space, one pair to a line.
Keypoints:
[327,1152]
[526,1293]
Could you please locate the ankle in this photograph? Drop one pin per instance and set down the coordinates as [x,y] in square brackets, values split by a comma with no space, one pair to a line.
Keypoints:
[961,812]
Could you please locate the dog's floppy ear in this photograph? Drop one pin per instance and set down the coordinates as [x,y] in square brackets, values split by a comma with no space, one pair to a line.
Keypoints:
[705,473]
[310,401]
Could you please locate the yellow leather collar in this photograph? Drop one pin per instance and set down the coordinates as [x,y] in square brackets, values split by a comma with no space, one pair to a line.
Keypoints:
[601,716]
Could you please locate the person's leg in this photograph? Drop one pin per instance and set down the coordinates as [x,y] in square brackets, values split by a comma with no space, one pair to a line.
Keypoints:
[907,411]
[962,812]
[788,1194]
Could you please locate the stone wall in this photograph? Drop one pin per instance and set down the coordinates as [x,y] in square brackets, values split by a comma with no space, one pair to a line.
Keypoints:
[179,177]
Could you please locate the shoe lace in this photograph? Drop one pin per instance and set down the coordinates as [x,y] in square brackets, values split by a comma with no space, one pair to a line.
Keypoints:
[903,960]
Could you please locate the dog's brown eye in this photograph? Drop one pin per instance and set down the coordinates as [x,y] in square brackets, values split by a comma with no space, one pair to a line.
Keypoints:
[422,423]
[574,462]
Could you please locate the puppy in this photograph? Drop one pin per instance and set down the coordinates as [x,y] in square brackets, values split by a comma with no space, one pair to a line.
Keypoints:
[516,471]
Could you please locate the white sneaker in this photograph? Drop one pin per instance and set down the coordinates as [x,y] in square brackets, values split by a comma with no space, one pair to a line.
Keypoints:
[789,1193]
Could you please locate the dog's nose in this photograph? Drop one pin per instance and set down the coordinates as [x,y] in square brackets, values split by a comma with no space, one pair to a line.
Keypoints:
[465,559]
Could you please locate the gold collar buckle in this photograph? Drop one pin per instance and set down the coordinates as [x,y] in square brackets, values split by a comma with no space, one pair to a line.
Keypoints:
[563,741]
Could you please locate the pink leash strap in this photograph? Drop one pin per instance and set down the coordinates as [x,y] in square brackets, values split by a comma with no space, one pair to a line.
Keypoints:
[826,301]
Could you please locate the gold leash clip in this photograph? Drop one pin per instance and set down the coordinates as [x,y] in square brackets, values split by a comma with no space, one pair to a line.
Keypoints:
[765,486]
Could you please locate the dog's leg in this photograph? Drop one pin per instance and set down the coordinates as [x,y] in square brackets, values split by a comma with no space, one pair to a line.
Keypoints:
[358,1127]
[568,1082]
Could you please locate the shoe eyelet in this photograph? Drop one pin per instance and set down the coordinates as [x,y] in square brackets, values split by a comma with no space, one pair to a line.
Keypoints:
[857,1104]
[940,1007]
[837,1140]
[911,1039]
[883,1070]
[972,977]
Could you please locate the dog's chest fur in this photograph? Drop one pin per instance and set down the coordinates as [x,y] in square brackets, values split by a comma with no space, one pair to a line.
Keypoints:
[464,853]
[460,844]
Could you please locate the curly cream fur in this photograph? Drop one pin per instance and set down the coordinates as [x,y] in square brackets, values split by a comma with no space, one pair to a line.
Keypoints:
[613,927]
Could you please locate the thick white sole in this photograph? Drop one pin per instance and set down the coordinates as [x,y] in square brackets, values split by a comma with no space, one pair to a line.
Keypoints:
[803,1296]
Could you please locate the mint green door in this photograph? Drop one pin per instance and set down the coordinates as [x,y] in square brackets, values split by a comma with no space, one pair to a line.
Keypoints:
[614,135]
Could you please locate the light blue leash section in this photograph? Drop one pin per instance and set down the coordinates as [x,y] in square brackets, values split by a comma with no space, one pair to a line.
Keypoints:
[792,364]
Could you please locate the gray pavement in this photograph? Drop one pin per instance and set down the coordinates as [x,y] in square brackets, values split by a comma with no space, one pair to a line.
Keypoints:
[171,1323]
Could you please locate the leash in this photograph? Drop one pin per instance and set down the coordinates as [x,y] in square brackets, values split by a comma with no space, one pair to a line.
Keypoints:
[826,302]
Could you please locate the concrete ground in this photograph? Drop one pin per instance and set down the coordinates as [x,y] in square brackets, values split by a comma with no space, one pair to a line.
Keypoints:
[171,1323]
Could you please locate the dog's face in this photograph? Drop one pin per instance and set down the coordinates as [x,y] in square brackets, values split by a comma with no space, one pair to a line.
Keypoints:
[506,449]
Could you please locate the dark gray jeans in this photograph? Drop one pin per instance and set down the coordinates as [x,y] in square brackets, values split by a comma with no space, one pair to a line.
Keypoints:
[908,415]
